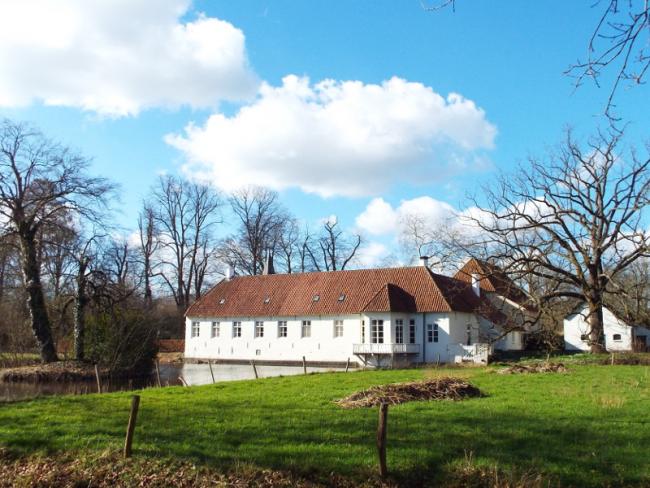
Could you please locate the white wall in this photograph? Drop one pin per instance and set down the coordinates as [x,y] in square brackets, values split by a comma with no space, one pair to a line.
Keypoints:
[575,326]
[322,345]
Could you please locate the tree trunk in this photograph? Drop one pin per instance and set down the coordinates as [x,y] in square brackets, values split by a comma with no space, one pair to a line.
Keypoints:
[3,271]
[80,311]
[595,321]
[148,295]
[39,319]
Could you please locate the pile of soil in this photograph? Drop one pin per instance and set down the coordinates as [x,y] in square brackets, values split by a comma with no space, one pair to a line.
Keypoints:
[59,371]
[534,368]
[445,388]
[111,470]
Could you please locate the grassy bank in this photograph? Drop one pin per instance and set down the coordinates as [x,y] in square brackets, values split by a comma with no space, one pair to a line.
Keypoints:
[588,427]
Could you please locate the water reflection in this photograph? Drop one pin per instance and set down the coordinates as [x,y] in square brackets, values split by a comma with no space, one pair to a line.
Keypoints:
[170,374]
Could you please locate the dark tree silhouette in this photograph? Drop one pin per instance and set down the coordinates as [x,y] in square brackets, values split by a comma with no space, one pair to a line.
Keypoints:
[40,181]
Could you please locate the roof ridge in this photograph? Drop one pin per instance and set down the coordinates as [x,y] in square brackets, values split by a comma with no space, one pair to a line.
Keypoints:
[358,270]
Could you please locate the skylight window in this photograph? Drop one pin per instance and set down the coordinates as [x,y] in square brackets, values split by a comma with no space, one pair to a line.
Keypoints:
[315,298]
[222,301]
[341,297]
[267,299]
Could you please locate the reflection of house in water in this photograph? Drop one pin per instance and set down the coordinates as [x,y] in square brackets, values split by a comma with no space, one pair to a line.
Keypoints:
[375,316]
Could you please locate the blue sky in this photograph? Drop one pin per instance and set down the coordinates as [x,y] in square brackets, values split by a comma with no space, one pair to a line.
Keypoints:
[506,57]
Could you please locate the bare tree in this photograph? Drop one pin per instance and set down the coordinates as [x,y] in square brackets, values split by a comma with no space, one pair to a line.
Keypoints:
[436,240]
[633,306]
[148,248]
[288,245]
[39,181]
[574,221]
[619,43]
[337,248]
[261,219]
[84,255]
[185,214]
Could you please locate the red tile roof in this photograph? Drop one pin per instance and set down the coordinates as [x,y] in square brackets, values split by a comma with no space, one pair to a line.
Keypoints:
[493,279]
[409,289]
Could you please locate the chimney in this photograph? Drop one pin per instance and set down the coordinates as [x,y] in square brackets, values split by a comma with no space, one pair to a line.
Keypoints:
[268,264]
[476,284]
[230,272]
[424,261]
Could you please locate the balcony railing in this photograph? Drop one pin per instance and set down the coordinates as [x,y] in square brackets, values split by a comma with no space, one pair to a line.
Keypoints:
[385,348]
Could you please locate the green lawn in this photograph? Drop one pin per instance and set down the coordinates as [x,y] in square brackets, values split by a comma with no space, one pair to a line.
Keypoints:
[585,428]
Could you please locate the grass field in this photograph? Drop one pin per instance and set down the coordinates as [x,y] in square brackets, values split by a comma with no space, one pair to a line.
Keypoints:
[589,427]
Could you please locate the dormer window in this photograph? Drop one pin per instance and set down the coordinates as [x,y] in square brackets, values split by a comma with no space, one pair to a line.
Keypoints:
[222,301]
[341,297]
[315,298]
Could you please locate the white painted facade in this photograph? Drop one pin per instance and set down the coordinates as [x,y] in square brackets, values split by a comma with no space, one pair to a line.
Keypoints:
[619,336]
[436,337]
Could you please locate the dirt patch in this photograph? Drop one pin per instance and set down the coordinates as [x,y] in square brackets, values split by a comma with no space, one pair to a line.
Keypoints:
[110,470]
[445,388]
[628,359]
[534,368]
[59,371]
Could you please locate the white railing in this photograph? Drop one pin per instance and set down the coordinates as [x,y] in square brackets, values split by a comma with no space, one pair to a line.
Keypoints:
[369,348]
[477,353]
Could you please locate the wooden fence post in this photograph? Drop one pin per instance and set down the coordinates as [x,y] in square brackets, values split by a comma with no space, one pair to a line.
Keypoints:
[254,368]
[381,439]
[99,381]
[135,404]
[158,374]
[347,365]
[304,365]
[211,372]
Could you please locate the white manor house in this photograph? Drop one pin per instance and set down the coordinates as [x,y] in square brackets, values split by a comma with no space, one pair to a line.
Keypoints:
[378,317]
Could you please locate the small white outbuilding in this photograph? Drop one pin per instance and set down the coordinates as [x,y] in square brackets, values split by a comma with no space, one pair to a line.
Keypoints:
[619,336]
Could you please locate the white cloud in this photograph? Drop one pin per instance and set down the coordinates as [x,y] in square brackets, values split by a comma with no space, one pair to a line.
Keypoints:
[380,218]
[372,255]
[117,57]
[338,138]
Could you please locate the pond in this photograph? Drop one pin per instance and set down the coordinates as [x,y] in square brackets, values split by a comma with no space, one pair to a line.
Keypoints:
[170,374]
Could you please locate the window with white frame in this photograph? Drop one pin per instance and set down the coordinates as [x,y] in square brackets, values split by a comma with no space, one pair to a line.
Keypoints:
[432,332]
[282,328]
[411,331]
[617,337]
[584,337]
[236,329]
[305,330]
[363,331]
[469,335]
[377,331]
[196,329]
[259,328]
[338,328]
[215,330]
[399,331]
